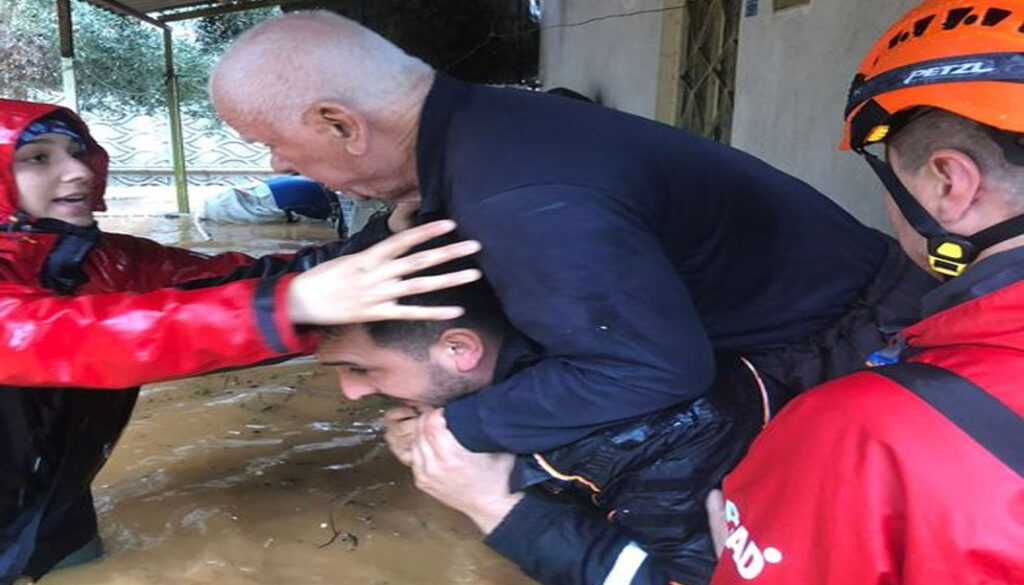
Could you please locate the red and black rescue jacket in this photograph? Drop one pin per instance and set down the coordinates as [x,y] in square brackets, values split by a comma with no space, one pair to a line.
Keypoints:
[861,482]
[85,318]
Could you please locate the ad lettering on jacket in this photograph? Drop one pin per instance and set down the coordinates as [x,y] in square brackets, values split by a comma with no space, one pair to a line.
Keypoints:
[750,559]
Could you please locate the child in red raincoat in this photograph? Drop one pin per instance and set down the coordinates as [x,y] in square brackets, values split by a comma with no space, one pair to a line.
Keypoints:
[87,316]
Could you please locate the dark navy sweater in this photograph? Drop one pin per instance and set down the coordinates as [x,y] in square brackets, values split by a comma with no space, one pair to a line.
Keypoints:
[627,250]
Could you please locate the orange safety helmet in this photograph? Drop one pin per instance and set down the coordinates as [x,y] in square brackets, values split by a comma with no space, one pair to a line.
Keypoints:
[961,56]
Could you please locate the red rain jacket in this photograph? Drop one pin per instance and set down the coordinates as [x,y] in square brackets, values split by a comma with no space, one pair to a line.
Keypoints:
[860,482]
[138,312]
[127,325]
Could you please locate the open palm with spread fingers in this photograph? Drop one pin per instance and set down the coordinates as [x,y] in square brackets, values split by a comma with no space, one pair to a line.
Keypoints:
[366,286]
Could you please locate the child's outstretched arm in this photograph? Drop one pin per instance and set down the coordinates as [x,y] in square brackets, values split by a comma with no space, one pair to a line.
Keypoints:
[124,339]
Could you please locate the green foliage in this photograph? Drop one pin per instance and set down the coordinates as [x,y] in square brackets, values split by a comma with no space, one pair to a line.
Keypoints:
[216,32]
[27,59]
[119,61]
[23,64]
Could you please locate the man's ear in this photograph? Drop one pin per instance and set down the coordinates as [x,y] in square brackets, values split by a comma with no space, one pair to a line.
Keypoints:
[955,181]
[340,122]
[460,348]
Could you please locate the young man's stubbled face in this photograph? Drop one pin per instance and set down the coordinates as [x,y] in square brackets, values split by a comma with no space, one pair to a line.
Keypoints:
[365,368]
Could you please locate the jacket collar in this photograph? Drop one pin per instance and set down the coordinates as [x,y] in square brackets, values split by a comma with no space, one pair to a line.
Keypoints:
[983,305]
[516,353]
[987,276]
[446,97]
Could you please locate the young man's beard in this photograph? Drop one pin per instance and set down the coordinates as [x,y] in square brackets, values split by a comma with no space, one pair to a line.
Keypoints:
[445,386]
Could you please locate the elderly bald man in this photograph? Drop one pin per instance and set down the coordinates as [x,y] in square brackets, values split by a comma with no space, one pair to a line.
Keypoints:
[634,255]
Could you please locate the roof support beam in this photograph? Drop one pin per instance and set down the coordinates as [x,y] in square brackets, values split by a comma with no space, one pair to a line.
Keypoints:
[117,7]
[67,55]
[67,40]
[174,120]
[217,10]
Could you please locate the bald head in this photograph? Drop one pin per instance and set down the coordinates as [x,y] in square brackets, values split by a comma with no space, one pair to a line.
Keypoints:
[282,66]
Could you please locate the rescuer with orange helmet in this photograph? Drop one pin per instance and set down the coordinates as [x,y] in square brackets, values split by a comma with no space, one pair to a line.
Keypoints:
[911,474]
[965,59]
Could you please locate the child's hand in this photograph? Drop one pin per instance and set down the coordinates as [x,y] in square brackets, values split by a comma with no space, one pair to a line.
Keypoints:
[366,286]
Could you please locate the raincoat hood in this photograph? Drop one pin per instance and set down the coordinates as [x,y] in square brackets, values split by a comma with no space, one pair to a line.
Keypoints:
[15,116]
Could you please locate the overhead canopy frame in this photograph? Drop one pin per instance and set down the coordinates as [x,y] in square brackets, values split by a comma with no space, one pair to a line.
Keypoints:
[157,13]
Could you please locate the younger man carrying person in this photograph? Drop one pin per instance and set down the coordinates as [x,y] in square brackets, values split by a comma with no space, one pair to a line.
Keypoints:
[593,508]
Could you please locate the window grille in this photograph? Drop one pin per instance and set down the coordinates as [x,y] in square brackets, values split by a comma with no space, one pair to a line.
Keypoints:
[708,77]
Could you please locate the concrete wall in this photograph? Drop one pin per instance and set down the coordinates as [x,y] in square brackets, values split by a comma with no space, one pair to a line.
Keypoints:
[794,70]
[614,60]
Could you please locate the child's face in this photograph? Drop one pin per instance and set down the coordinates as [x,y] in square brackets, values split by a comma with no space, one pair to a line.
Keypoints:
[53,181]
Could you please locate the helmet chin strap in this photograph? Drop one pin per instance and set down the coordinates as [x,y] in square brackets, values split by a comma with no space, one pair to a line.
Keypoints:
[948,254]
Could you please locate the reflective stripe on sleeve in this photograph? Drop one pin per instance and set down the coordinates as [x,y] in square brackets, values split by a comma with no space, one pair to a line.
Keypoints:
[626,565]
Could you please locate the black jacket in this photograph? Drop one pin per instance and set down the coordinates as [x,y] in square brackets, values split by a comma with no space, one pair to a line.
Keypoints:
[637,487]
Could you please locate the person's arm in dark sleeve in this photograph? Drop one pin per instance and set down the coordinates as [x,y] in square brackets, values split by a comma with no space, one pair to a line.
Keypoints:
[188,270]
[555,542]
[591,284]
[561,543]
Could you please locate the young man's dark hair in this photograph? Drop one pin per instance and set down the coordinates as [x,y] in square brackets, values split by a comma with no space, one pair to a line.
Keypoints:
[482,309]
[483,314]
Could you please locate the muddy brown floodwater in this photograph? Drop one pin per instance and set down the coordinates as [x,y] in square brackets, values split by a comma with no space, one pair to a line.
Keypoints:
[267,476]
